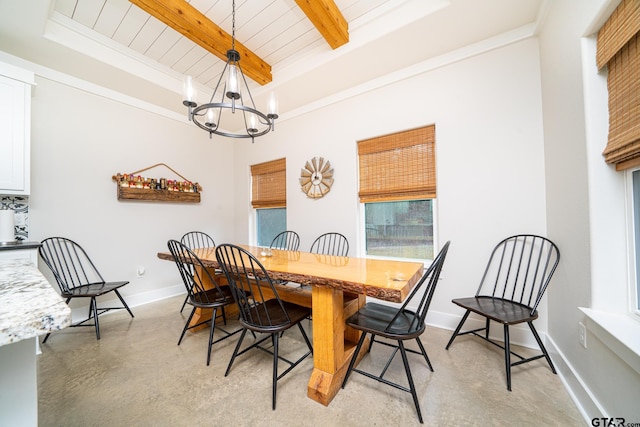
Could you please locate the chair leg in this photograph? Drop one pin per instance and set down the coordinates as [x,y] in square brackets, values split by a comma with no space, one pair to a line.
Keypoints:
[354,358]
[306,338]
[373,338]
[275,338]
[235,351]
[403,352]
[184,303]
[424,353]
[122,301]
[213,328]
[542,347]
[186,325]
[507,356]
[94,304]
[455,333]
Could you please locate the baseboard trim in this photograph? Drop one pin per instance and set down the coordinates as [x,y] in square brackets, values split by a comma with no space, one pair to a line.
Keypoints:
[581,395]
[584,400]
[80,313]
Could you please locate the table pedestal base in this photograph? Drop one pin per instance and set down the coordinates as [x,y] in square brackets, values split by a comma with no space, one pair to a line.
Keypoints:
[333,342]
[323,386]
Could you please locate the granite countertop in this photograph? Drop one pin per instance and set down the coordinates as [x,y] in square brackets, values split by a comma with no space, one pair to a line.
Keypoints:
[18,244]
[29,305]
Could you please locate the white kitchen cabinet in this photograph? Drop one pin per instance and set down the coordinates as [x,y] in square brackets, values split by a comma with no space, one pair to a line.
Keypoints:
[15,129]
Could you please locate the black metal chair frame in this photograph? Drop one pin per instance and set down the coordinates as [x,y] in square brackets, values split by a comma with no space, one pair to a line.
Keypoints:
[523,265]
[286,240]
[195,240]
[194,274]
[78,277]
[330,244]
[259,312]
[398,324]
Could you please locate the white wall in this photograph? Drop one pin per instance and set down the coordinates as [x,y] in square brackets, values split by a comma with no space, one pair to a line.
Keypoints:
[490,170]
[585,199]
[79,141]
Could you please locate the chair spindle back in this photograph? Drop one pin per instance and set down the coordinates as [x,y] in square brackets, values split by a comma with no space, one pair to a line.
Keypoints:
[519,269]
[69,263]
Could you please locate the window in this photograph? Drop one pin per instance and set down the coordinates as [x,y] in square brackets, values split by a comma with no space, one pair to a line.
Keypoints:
[269,198]
[635,215]
[270,222]
[399,229]
[397,189]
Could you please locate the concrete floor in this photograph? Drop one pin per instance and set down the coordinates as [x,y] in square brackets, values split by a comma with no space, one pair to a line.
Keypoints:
[136,375]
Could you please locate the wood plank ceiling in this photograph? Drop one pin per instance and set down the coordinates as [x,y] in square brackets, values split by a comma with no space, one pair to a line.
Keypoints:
[268,32]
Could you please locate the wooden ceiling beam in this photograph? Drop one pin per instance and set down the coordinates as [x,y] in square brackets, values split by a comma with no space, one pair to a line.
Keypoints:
[327,18]
[191,23]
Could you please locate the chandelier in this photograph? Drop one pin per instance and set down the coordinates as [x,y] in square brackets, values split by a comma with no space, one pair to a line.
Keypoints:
[231,94]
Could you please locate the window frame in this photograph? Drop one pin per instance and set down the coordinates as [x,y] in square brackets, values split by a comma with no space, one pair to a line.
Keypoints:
[633,242]
[363,234]
[421,186]
[268,187]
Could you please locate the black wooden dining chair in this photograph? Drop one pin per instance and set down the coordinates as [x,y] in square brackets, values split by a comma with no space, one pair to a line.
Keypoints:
[398,324]
[514,281]
[286,240]
[261,309]
[330,244]
[203,292]
[78,277]
[196,240]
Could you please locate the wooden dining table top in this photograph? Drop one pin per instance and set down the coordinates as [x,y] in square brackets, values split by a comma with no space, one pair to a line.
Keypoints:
[388,280]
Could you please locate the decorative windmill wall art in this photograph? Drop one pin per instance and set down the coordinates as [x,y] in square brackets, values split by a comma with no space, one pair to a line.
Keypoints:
[316,178]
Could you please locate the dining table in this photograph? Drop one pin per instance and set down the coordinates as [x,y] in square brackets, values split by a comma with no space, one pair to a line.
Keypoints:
[334,287]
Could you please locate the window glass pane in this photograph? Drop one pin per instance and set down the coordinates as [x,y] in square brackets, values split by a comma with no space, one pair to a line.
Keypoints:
[401,229]
[270,222]
[636,227]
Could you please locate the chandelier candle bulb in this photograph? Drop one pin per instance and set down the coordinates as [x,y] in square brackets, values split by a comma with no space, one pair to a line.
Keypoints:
[211,118]
[232,83]
[189,92]
[273,105]
[189,89]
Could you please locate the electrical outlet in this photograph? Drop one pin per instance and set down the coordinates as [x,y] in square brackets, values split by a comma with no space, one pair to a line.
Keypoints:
[582,334]
[140,271]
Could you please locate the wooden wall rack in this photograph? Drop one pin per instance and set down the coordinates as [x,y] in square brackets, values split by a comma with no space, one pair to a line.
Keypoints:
[135,187]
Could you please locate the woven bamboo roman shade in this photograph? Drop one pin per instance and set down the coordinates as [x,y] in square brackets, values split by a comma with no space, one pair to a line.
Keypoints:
[269,184]
[400,166]
[618,48]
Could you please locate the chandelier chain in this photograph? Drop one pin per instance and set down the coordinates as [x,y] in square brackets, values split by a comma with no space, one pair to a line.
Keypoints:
[233,25]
